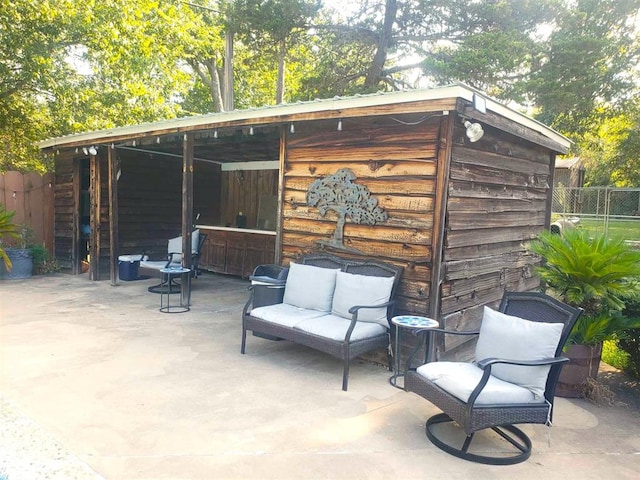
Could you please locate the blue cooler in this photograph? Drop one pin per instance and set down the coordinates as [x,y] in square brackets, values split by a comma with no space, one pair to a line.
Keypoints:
[128,266]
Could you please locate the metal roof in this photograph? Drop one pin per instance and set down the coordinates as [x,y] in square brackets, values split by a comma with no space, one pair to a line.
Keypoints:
[288,113]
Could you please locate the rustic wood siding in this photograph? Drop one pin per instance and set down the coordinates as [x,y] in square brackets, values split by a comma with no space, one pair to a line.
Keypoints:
[497,202]
[64,208]
[396,160]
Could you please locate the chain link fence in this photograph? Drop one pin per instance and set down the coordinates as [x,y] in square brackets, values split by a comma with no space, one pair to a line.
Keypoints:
[613,211]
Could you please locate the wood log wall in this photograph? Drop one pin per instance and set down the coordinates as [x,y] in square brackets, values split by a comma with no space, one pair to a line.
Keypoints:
[396,160]
[497,196]
[64,211]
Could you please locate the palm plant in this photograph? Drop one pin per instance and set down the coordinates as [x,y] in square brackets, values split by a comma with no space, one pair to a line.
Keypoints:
[594,272]
[8,229]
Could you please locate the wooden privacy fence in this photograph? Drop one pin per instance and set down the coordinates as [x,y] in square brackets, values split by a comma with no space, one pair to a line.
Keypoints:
[30,195]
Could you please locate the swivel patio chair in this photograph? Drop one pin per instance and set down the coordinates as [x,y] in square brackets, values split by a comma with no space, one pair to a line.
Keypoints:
[174,257]
[512,380]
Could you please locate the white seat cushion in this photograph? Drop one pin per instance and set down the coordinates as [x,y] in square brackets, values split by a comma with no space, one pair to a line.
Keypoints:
[284,314]
[310,287]
[153,264]
[460,379]
[352,290]
[335,328]
[508,337]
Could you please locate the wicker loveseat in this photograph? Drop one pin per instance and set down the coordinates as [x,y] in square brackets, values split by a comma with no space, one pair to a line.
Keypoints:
[337,306]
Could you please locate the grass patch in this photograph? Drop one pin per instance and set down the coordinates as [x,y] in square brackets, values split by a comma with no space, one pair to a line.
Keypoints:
[628,229]
[613,356]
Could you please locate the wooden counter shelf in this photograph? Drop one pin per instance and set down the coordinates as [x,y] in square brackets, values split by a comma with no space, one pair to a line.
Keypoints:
[236,251]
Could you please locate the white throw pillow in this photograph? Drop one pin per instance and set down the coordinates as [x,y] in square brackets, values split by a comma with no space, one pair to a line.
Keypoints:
[508,337]
[310,287]
[352,290]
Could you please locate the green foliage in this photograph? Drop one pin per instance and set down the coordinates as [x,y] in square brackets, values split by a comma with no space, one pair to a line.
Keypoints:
[68,66]
[8,231]
[596,273]
[614,356]
[42,261]
[630,342]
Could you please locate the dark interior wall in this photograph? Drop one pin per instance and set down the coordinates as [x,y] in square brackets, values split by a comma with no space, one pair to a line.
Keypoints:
[207,180]
[150,200]
[243,191]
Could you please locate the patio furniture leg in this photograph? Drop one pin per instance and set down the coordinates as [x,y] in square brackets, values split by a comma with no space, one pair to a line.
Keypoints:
[345,374]
[515,437]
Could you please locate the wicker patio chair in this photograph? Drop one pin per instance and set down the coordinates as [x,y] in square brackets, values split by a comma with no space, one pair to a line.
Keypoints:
[512,380]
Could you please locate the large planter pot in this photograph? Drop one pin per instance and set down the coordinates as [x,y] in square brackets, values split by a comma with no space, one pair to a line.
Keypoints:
[584,361]
[22,264]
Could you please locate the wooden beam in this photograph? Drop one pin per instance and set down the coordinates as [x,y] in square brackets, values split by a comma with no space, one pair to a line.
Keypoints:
[279,215]
[187,199]
[445,142]
[112,160]
[94,248]
[76,261]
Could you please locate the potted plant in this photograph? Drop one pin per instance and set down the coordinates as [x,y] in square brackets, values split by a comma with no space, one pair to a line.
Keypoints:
[600,275]
[16,256]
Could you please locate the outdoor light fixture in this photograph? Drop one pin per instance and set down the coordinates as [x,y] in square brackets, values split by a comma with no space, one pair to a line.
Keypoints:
[339,125]
[93,150]
[215,134]
[474,131]
[292,129]
[250,130]
[85,151]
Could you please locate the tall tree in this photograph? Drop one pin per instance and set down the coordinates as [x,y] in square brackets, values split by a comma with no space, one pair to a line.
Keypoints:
[272,26]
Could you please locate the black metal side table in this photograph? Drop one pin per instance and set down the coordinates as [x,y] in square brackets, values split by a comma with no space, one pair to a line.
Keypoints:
[185,291]
[414,324]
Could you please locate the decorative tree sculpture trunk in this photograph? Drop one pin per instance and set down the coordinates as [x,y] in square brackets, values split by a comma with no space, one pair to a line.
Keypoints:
[338,193]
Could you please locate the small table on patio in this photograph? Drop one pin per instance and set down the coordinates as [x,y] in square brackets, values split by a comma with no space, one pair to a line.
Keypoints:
[185,290]
[414,324]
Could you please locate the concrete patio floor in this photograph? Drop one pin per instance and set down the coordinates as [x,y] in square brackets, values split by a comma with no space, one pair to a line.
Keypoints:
[96,383]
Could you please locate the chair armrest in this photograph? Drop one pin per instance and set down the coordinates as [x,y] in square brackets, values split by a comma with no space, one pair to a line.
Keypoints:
[354,310]
[486,364]
[245,309]
[527,363]
[170,258]
[354,316]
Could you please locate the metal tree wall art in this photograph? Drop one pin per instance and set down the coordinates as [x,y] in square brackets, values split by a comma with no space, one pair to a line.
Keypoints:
[338,193]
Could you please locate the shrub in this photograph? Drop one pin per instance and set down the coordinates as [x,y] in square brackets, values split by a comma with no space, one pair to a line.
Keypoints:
[630,342]
[42,261]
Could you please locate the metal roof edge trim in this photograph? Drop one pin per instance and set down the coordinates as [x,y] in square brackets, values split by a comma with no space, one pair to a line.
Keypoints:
[458,90]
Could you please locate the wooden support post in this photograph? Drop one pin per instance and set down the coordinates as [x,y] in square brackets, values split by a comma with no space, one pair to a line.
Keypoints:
[94,249]
[187,199]
[279,220]
[445,139]
[112,160]
[76,261]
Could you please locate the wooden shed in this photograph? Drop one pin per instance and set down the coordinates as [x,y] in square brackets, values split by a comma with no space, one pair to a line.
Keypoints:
[273,183]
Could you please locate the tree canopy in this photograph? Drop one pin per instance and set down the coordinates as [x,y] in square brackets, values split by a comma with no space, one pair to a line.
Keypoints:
[68,66]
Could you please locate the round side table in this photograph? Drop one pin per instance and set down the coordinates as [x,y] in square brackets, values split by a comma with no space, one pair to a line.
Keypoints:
[185,290]
[414,324]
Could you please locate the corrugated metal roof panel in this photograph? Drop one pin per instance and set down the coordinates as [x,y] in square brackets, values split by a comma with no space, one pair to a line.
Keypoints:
[289,112]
